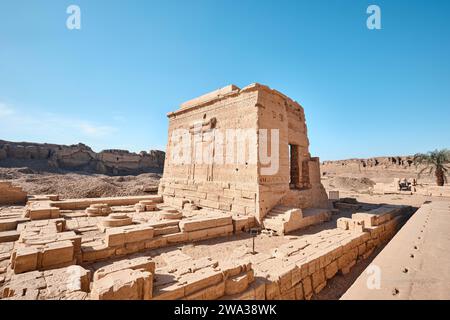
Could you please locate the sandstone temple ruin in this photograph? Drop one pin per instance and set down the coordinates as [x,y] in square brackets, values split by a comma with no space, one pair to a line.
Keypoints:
[194,239]
[248,188]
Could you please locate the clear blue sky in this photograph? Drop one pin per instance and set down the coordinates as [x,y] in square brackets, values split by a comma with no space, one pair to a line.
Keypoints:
[110,84]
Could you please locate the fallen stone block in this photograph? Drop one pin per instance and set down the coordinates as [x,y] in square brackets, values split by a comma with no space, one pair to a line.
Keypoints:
[125,284]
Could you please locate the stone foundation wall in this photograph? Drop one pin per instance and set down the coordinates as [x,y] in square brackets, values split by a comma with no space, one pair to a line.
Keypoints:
[301,268]
[10,195]
[231,197]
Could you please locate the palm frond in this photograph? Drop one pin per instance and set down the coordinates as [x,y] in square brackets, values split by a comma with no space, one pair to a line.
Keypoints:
[431,170]
[423,170]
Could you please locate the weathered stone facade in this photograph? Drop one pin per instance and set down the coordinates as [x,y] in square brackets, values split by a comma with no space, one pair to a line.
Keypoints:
[243,187]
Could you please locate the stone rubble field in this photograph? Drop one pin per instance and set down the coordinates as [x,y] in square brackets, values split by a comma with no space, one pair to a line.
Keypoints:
[140,248]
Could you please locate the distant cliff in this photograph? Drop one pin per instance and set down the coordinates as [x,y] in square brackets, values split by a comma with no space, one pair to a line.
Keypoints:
[378,167]
[79,158]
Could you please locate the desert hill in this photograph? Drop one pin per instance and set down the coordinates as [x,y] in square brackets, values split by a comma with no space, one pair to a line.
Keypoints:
[79,157]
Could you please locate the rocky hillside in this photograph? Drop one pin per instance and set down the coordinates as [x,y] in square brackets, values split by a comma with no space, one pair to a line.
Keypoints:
[379,169]
[53,157]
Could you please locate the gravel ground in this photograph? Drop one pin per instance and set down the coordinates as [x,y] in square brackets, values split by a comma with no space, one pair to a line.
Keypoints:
[80,185]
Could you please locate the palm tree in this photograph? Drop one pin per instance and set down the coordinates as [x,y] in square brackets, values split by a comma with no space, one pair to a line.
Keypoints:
[436,161]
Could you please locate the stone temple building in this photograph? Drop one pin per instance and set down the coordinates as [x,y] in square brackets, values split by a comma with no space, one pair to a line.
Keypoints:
[261,165]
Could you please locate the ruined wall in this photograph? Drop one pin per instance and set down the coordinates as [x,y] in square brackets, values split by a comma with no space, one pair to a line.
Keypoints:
[10,194]
[79,157]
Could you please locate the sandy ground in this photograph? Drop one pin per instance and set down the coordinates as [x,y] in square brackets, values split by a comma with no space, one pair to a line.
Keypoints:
[80,185]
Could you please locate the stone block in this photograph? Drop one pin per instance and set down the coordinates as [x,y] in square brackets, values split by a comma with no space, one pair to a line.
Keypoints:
[11,223]
[370,220]
[236,284]
[331,270]
[201,279]
[346,269]
[318,280]
[169,292]
[115,237]
[40,213]
[144,263]
[133,247]
[57,253]
[220,231]
[134,233]
[240,223]
[307,288]
[197,235]
[125,284]
[272,290]
[25,259]
[99,252]
[299,292]
[285,278]
[210,293]
[156,242]
[178,237]
[138,233]
[204,223]
[343,223]
[9,236]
